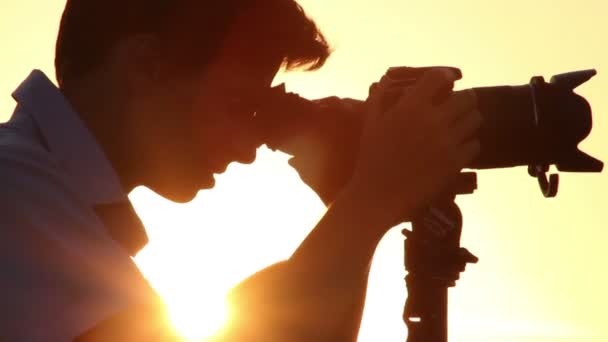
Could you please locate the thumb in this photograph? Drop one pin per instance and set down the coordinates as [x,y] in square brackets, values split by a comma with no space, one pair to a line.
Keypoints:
[375,100]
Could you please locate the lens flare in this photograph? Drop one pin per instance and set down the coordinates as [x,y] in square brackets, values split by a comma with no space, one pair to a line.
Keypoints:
[199,320]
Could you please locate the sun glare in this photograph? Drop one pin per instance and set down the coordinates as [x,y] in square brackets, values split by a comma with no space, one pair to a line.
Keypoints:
[196,319]
[198,251]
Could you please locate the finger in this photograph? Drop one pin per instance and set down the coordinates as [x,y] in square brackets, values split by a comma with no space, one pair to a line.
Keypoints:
[388,92]
[459,103]
[405,72]
[467,127]
[434,82]
[410,75]
[375,99]
[374,86]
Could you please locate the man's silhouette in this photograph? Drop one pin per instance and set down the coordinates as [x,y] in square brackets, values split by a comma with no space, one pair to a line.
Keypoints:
[161,93]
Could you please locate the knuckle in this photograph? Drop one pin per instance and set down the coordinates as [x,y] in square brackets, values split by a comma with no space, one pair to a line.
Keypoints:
[373,87]
[385,78]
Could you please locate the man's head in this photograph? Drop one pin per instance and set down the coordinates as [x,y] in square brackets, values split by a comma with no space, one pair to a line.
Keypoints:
[182,76]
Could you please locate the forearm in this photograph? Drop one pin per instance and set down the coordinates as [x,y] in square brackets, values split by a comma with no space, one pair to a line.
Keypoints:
[321,289]
[343,242]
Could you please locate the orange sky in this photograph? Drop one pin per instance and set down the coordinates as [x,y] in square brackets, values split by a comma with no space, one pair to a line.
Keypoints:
[541,275]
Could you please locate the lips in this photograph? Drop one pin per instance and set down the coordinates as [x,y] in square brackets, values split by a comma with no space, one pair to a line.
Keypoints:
[219,166]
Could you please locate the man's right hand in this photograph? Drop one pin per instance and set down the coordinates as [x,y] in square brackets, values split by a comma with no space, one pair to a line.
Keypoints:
[410,151]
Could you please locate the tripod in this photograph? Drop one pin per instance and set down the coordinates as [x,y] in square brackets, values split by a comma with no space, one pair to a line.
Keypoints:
[434,261]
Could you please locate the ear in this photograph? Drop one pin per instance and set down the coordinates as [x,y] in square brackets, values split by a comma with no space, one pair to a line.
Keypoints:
[142,61]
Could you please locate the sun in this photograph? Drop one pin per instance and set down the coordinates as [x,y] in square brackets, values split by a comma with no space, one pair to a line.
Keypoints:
[199,321]
[197,306]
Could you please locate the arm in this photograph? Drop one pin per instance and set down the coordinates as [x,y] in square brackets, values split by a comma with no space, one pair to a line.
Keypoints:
[318,294]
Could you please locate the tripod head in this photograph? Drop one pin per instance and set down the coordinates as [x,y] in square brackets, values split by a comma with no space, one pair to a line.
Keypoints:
[434,261]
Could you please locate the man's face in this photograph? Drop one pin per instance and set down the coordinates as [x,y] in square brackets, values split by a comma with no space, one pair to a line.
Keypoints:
[193,125]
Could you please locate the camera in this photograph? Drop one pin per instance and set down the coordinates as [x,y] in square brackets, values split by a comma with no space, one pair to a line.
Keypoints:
[537,124]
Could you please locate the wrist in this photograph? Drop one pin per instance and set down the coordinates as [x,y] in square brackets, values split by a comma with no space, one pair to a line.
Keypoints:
[366,209]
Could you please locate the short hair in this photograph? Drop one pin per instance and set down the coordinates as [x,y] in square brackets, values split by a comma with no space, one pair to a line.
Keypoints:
[192,29]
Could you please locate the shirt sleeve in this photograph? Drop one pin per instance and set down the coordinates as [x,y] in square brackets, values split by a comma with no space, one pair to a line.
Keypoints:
[61,273]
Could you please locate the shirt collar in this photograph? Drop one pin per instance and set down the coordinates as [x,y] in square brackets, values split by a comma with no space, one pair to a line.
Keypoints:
[69,140]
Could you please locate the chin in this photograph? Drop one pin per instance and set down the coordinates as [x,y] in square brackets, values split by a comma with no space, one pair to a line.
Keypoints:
[183,193]
[181,197]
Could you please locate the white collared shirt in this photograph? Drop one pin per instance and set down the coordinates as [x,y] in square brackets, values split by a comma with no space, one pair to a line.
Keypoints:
[61,272]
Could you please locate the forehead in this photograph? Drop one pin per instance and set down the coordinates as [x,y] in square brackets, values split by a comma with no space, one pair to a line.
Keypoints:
[249,49]
[239,64]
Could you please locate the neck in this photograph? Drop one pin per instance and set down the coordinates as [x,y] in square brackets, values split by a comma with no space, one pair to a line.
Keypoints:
[105,117]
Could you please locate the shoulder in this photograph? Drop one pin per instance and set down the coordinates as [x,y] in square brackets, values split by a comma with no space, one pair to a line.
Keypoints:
[19,150]
[54,250]
[30,178]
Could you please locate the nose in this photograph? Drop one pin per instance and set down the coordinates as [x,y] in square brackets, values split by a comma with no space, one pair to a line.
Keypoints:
[246,156]
[245,143]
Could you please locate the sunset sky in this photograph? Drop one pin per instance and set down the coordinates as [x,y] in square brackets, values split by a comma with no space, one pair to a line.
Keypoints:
[542,274]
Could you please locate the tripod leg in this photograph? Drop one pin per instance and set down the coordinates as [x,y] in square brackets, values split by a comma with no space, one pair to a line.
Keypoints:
[425,312]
